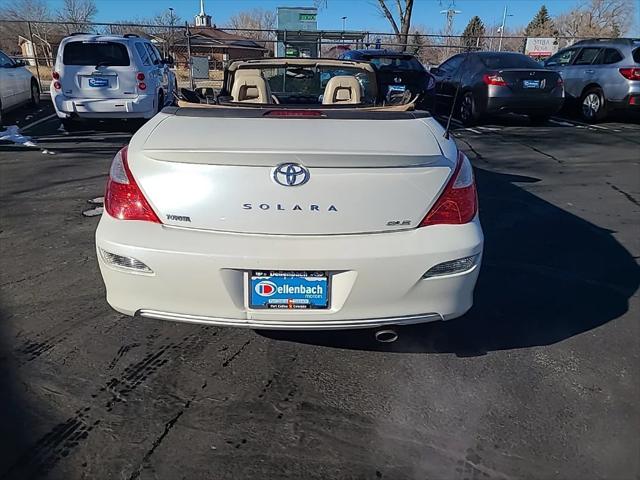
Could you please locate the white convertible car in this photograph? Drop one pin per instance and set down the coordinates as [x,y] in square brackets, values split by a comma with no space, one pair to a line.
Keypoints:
[297,201]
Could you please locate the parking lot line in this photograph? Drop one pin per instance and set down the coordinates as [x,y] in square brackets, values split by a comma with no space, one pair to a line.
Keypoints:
[38,122]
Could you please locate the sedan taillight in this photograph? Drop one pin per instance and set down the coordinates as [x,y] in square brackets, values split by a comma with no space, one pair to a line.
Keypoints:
[493,79]
[630,73]
[124,199]
[458,203]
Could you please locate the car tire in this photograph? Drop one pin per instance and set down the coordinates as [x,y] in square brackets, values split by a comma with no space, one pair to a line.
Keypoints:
[35,93]
[70,125]
[593,106]
[539,119]
[468,110]
[160,101]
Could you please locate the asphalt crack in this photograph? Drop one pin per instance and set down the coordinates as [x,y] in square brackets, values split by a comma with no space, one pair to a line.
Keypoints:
[627,195]
[156,443]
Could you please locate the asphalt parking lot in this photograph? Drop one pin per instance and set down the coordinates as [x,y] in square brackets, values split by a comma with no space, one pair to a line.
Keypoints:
[540,380]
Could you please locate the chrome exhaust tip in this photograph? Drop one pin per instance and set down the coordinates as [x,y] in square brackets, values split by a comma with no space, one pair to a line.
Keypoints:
[387,335]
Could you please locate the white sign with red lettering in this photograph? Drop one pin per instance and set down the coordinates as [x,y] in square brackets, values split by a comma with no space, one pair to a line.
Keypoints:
[541,47]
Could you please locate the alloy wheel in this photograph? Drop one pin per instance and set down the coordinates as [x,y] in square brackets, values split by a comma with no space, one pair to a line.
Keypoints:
[591,105]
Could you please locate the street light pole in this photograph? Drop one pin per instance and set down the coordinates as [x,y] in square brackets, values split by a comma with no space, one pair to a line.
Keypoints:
[504,21]
[344,23]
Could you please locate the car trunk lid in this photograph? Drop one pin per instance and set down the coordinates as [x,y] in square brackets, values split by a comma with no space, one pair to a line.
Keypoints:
[230,174]
[532,81]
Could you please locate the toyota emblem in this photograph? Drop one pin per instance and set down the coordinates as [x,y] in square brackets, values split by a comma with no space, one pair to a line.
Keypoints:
[291,174]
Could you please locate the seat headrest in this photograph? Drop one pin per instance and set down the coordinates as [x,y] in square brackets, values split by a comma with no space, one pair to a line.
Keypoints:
[342,89]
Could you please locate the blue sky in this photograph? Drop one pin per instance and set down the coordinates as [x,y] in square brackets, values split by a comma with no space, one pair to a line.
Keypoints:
[361,14]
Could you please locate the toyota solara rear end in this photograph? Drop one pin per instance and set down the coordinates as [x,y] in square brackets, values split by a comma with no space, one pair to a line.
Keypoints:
[290,219]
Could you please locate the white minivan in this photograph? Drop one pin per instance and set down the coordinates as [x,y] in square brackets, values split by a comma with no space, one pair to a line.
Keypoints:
[110,76]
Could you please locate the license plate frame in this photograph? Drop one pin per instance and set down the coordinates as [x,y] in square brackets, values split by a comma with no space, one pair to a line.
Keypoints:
[288,300]
[98,82]
[531,84]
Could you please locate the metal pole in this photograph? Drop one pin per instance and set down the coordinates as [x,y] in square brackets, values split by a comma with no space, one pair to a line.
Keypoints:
[189,63]
[35,55]
[504,20]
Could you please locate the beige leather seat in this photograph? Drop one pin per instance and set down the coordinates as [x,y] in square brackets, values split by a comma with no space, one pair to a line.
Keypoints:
[250,86]
[343,89]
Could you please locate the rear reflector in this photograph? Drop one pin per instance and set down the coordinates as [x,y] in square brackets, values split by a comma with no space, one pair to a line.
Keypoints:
[124,199]
[140,76]
[493,79]
[454,266]
[57,85]
[630,73]
[55,75]
[128,263]
[142,86]
[458,203]
[293,113]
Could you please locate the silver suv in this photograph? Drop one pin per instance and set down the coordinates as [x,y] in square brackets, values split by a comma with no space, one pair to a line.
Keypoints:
[601,75]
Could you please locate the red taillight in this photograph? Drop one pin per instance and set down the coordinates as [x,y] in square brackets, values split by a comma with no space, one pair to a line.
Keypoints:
[493,79]
[459,201]
[142,86]
[630,73]
[140,76]
[57,85]
[124,199]
[55,75]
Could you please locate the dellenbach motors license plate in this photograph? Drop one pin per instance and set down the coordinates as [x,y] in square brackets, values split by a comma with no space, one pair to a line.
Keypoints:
[531,83]
[98,82]
[288,290]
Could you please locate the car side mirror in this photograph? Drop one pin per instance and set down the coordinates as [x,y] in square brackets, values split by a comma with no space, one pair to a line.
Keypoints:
[168,61]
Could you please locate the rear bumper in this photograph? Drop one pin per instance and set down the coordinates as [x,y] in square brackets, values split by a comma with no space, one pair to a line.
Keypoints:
[543,104]
[200,277]
[630,103]
[142,106]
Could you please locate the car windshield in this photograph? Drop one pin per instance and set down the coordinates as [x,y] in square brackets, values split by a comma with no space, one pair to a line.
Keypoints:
[307,84]
[508,61]
[396,63]
[95,53]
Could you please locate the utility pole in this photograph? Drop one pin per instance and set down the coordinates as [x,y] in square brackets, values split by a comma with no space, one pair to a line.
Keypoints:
[504,21]
[450,13]
[344,23]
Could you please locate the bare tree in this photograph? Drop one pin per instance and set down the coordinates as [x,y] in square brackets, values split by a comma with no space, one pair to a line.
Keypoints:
[401,21]
[255,19]
[597,18]
[77,14]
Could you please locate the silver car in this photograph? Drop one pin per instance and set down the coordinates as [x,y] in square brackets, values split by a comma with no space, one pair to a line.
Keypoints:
[600,75]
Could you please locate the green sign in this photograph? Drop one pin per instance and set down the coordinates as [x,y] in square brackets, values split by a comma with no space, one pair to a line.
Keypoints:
[291,52]
[307,17]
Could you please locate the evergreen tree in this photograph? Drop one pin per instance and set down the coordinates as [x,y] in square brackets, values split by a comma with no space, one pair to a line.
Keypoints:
[473,35]
[541,25]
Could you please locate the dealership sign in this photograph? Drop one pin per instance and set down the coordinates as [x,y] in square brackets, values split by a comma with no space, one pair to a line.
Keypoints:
[541,47]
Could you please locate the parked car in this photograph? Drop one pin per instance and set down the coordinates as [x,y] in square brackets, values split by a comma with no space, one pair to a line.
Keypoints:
[109,76]
[17,85]
[486,83]
[600,75]
[292,216]
[397,73]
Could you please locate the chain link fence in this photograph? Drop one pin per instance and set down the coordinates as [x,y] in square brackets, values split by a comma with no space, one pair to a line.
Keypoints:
[37,42]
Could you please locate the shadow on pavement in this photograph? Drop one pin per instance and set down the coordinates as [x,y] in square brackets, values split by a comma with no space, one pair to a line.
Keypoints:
[547,275]
[16,429]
